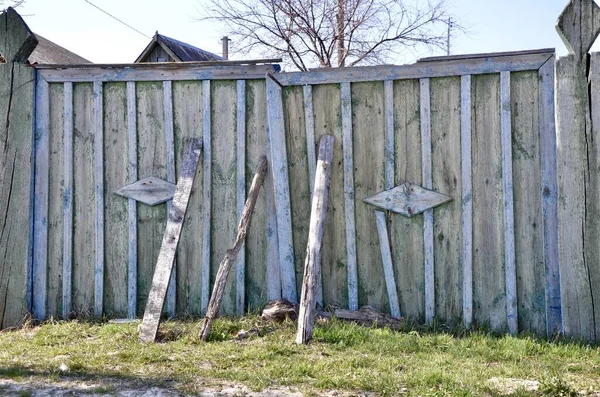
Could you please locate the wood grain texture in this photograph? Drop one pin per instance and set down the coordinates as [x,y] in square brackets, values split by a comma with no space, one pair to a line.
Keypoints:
[578,26]
[224,183]
[259,286]
[170,148]
[84,206]
[489,303]
[390,141]
[40,201]
[425,110]
[152,160]
[240,272]
[187,119]
[446,179]
[388,267]
[206,194]
[550,198]
[334,269]
[132,173]
[369,165]
[56,230]
[166,257]
[349,195]
[407,199]
[300,199]
[528,209]
[279,169]
[116,209]
[99,200]
[312,265]
[67,199]
[407,234]
[466,199]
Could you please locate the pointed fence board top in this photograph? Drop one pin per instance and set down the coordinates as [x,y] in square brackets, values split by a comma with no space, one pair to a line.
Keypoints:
[17,42]
[579,26]
[407,199]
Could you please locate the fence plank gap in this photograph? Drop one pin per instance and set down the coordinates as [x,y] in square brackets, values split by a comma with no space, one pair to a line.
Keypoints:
[388,267]
[132,204]
[67,199]
[227,262]
[166,257]
[467,199]
[99,192]
[279,170]
[509,221]
[346,94]
[425,110]
[240,274]
[206,197]
[170,149]
[312,264]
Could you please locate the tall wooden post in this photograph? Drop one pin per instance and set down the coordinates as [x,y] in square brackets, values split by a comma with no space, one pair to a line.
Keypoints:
[17,87]
[578,170]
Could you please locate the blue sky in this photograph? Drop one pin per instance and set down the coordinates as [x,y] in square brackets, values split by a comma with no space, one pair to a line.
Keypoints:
[496,25]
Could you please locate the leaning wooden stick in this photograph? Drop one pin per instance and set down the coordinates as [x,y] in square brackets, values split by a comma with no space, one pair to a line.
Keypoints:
[164,265]
[312,265]
[217,294]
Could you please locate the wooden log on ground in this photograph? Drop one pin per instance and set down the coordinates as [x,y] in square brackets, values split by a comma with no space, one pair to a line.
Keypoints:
[312,265]
[217,294]
[166,257]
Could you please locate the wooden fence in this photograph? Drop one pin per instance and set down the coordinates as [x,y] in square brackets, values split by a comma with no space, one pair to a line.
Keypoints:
[479,129]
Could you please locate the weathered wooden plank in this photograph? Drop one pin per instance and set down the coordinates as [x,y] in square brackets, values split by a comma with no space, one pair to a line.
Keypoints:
[388,267]
[300,194]
[459,67]
[165,65]
[309,120]
[425,108]
[509,216]
[259,287]
[334,269]
[407,233]
[489,291]
[467,199]
[279,169]
[84,210]
[40,226]
[273,271]
[224,182]
[187,120]
[166,257]
[99,192]
[349,194]
[446,178]
[312,266]
[56,182]
[170,148]
[116,227]
[240,272]
[67,199]
[528,207]
[152,160]
[230,256]
[407,199]
[549,197]
[485,55]
[150,191]
[578,26]
[157,73]
[390,145]
[206,195]
[132,176]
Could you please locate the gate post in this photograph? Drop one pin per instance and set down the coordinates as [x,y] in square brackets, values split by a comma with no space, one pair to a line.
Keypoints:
[17,86]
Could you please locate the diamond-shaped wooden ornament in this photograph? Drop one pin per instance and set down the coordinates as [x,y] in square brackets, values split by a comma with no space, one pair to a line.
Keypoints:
[408,199]
[579,26]
[150,191]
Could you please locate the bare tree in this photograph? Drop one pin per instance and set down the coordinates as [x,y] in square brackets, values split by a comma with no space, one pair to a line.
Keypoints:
[10,3]
[329,33]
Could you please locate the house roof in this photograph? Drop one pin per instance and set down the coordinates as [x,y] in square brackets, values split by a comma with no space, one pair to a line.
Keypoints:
[48,52]
[180,51]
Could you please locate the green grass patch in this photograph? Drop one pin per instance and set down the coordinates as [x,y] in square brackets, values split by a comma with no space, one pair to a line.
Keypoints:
[342,357]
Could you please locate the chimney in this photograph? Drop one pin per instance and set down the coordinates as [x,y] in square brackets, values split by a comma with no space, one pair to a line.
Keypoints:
[225,42]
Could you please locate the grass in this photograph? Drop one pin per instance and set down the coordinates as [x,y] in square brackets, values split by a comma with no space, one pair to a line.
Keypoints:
[342,357]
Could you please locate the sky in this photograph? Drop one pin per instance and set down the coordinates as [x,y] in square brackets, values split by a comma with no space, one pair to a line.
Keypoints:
[495,25]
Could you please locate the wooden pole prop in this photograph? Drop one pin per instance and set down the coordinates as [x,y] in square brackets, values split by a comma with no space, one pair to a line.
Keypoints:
[312,265]
[217,294]
[164,265]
